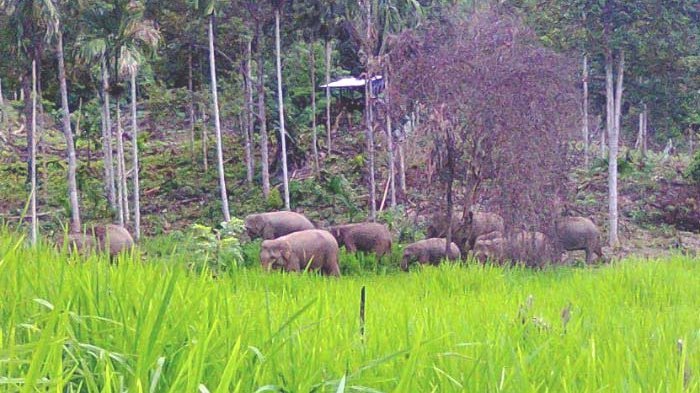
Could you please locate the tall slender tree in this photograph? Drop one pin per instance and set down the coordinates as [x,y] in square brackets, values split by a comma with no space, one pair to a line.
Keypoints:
[217,121]
[70,146]
[312,70]
[278,4]
[107,148]
[248,112]
[32,147]
[586,139]
[135,157]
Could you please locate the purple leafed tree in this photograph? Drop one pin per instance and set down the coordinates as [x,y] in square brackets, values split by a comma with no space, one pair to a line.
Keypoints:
[499,111]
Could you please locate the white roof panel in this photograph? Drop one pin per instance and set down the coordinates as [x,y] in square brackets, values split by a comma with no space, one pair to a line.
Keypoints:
[349,82]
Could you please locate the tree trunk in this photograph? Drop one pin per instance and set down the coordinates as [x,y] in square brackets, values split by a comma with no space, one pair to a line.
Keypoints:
[370,148]
[280,101]
[70,146]
[613,100]
[32,158]
[249,162]
[107,140]
[390,147]
[122,190]
[585,111]
[328,95]
[646,129]
[26,93]
[135,154]
[639,144]
[449,142]
[217,123]
[190,90]
[205,143]
[603,143]
[402,168]
[691,142]
[264,159]
[312,61]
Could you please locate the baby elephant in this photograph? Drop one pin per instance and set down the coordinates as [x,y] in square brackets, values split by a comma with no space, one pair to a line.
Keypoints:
[533,249]
[293,252]
[275,224]
[579,233]
[430,251]
[114,238]
[366,236]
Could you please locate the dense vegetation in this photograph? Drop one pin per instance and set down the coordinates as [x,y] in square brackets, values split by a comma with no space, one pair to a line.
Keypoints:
[340,166]
[74,325]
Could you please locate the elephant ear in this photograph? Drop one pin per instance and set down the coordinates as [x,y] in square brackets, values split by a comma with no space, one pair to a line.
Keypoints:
[287,251]
[267,231]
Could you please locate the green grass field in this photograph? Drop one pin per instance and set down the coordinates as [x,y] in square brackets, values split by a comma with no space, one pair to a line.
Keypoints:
[69,324]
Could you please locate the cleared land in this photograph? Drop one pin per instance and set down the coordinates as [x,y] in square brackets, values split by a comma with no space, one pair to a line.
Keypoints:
[71,324]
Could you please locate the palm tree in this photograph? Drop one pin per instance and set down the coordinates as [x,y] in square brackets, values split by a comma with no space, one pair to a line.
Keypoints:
[116,37]
[34,21]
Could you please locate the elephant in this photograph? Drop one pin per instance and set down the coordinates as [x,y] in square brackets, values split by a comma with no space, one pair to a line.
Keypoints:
[465,232]
[275,224]
[110,237]
[533,249]
[430,251]
[294,251]
[366,236]
[579,233]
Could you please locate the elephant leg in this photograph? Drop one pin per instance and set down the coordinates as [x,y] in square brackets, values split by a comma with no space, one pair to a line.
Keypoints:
[350,247]
[589,255]
[332,269]
[293,265]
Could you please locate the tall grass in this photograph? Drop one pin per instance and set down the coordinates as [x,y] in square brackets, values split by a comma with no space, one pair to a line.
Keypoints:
[149,325]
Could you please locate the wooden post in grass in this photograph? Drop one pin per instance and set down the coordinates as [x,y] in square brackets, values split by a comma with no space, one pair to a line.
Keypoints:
[362,312]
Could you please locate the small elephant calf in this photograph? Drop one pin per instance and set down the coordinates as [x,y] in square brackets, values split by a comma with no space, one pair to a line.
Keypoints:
[293,252]
[113,238]
[429,251]
[366,236]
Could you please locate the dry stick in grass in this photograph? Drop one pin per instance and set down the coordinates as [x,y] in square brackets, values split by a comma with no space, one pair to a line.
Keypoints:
[386,190]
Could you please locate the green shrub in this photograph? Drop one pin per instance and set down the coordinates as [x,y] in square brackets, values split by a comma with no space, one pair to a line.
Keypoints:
[219,247]
[693,171]
[274,200]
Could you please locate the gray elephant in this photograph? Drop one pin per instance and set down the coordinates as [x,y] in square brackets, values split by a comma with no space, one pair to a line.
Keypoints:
[579,233]
[429,251]
[294,251]
[465,232]
[490,246]
[275,224]
[366,236]
[533,249]
[114,238]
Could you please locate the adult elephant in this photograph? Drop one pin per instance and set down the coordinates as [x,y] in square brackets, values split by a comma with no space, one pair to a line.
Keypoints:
[272,225]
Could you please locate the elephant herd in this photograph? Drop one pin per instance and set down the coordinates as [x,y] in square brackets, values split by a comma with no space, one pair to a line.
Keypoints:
[293,243]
